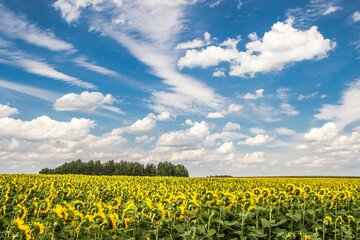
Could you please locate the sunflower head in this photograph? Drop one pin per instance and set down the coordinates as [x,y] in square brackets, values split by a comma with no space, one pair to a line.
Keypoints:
[327,220]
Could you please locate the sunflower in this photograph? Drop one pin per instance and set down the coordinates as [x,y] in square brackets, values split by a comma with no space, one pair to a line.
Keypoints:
[328,220]
[40,227]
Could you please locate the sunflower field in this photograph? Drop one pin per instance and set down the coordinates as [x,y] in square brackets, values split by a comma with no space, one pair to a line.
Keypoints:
[124,207]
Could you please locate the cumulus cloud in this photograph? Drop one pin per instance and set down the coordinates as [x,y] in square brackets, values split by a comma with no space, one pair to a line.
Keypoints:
[231,126]
[142,125]
[187,137]
[215,115]
[284,131]
[258,94]
[356,16]
[15,26]
[6,111]
[226,147]
[347,111]
[258,140]
[327,132]
[163,116]
[302,147]
[210,56]
[282,45]
[218,74]
[288,109]
[45,128]
[86,101]
[255,157]
[144,139]
[257,130]
[233,108]
[196,43]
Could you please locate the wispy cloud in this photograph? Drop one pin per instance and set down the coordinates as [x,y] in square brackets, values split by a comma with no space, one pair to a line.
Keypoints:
[46,95]
[17,26]
[313,10]
[83,62]
[150,31]
[39,67]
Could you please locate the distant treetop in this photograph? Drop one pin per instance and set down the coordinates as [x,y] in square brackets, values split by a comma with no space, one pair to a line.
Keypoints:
[118,168]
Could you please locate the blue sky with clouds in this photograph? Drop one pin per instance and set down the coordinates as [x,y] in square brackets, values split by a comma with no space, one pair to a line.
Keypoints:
[237,87]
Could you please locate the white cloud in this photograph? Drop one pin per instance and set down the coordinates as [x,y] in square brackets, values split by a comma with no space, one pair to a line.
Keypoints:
[258,140]
[86,101]
[258,94]
[163,116]
[234,108]
[310,162]
[214,4]
[146,124]
[257,131]
[150,31]
[253,36]
[255,157]
[218,74]
[39,67]
[231,43]
[225,136]
[231,126]
[302,97]
[327,132]
[188,122]
[144,139]
[288,109]
[356,16]
[15,26]
[348,111]
[284,131]
[283,93]
[210,56]
[311,11]
[239,5]
[215,115]
[14,144]
[302,147]
[226,147]
[187,137]
[196,43]
[6,111]
[82,61]
[331,9]
[282,45]
[266,112]
[70,9]
[45,128]
[323,96]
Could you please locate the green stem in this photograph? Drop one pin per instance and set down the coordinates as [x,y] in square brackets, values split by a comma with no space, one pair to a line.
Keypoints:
[270,224]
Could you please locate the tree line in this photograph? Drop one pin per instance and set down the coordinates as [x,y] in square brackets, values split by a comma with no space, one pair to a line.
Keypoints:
[118,168]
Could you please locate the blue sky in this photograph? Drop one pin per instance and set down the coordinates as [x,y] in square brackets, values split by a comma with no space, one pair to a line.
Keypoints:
[237,87]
